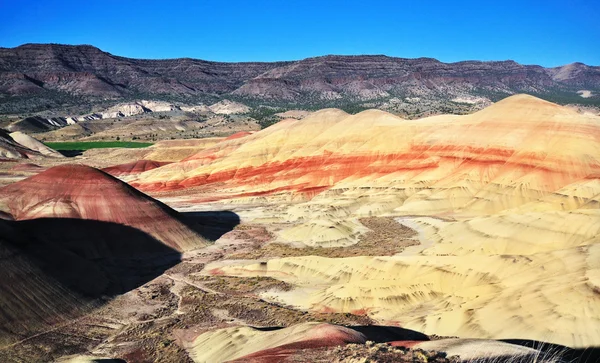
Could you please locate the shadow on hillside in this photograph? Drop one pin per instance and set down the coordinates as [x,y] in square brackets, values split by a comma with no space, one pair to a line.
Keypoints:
[575,355]
[376,333]
[96,259]
[71,153]
[211,225]
[382,333]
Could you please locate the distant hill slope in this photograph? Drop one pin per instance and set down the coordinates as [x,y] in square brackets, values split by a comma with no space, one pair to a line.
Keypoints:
[55,74]
[18,145]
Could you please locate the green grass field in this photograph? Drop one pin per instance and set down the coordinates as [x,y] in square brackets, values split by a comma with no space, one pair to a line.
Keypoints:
[95,145]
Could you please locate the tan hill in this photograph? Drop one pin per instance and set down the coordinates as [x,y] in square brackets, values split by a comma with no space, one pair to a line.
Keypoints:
[138,107]
[159,106]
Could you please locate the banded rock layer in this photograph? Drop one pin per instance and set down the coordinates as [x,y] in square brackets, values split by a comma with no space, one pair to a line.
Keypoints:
[505,202]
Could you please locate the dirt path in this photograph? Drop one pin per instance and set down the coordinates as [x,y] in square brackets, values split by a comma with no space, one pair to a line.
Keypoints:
[424,242]
[199,287]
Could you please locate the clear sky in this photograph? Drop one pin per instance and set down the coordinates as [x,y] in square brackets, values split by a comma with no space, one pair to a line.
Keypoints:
[548,33]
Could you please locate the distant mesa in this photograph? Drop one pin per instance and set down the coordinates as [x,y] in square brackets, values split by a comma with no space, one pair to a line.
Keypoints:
[124,110]
[159,106]
[41,123]
[195,108]
[137,108]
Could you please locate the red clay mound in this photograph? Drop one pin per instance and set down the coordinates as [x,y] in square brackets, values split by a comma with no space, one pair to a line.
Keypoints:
[135,167]
[275,346]
[245,344]
[82,192]
[281,352]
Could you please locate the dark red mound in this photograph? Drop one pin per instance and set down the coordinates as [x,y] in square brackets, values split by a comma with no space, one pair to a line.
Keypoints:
[135,167]
[82,192]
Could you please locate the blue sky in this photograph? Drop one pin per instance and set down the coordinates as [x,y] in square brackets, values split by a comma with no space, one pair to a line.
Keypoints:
[549,33]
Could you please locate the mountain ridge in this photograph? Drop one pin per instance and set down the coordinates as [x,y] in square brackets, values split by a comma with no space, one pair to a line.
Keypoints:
[330,55]
[54,74]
